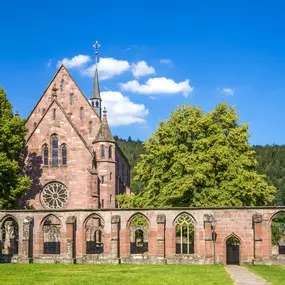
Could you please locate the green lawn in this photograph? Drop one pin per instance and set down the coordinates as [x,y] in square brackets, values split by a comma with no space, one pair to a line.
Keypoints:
[53,274]
[271,273]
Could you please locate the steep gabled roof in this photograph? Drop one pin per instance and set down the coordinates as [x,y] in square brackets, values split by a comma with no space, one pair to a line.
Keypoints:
[62,66]
[68,119]
[104,134]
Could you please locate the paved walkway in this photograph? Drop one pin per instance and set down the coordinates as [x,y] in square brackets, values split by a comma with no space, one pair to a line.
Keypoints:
[242,276]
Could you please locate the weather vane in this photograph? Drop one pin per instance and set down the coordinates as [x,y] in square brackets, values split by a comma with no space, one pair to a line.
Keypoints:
[96,46]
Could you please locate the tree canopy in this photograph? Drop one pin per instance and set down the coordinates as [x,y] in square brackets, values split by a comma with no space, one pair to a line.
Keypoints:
[199,159]
[12,131]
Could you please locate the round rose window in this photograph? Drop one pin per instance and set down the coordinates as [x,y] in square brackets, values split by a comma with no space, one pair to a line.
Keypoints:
[54,195]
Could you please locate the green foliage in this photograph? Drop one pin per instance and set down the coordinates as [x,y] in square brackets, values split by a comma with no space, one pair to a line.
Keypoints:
[278,228]
[132,149]
[199,159]
[273,274]
[271,162]
[138,220]
[12,131]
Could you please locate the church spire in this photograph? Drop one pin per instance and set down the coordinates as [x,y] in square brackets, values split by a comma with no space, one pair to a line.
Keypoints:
[95,99]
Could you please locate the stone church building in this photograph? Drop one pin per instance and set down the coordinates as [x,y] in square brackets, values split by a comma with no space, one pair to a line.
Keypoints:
[70,214]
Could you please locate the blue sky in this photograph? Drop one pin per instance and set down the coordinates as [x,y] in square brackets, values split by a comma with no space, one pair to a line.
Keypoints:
[155,55]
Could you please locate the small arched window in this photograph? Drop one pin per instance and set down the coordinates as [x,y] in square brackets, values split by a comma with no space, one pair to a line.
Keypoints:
[90,128]
[45,151]
[102,151]
[97,104]
[54,151]
[64,154]
[35,124]
[54,114]
[81,114]
[44,110]
[110,152]
[62,84]
[71,99]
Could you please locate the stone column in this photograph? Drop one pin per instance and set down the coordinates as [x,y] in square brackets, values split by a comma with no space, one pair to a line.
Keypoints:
[70,239]
[115,237]
[257,229]
[160,236]
[208,236]
[27,240]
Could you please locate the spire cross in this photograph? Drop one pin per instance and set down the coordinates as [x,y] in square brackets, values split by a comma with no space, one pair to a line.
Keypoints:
[96,47]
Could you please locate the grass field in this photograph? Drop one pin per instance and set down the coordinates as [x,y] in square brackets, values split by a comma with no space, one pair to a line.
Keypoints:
[273,274]
[53,274]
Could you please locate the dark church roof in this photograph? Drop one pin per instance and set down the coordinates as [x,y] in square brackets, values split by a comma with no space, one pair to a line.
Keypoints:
[104,134]
[96,90]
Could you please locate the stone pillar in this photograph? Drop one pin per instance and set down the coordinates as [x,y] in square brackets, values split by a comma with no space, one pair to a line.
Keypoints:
[115,237]
[208,236]
[27,240]
[70,239]
[257,229]
[160,236]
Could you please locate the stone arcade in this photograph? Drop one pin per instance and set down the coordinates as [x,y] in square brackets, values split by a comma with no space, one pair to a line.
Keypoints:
[70,213]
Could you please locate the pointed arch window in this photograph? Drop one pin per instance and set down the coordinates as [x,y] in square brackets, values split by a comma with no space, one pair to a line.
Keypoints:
[71,99]
[62,84]
[54,152]
[102,151]
[90,128]
[64,154]
[110,152]
[45,152]
[54,114]
[97,104]
[81,114]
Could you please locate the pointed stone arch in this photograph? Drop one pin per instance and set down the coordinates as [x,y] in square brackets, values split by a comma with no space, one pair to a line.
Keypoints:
[94,234]
[184,227]
[233,249]
[51,234]
[9,237]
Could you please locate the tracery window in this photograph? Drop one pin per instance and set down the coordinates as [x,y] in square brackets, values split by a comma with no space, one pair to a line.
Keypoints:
[81,114]
[90,128]
[51,229]
[102,151]
[110,151]
[45,152]
[54,196]
[63,154]
[54,151]
[71,99]
[184,228]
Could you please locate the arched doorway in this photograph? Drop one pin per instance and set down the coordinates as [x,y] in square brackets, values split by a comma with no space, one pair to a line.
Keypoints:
[233,250]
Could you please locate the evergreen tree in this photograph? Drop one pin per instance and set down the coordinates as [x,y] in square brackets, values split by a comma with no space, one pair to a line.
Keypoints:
[200,159]
[12,131]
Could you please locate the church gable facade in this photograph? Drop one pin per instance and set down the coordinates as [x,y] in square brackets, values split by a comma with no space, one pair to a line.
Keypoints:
[71,155]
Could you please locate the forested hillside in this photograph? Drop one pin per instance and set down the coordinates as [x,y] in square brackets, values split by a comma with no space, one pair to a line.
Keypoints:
[271,162]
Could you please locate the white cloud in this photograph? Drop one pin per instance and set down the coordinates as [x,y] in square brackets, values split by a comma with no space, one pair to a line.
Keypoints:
[76,61]
[159,85]
[49,63]
[141,69]
[108,68]
[228,91]
[121,110]
[166,61]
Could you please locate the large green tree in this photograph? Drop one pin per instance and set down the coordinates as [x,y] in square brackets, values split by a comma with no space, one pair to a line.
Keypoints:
[200,159]
[12,131]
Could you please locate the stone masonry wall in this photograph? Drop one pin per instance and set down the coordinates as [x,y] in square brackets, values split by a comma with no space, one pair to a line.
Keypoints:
[250,226]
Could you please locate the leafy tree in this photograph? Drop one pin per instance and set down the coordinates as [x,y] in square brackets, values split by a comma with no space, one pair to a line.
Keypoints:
[200,159]
[271,162]
[12,131]
[278,228]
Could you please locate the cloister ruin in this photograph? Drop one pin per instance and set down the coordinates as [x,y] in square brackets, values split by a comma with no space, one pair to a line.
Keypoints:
[242,235]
